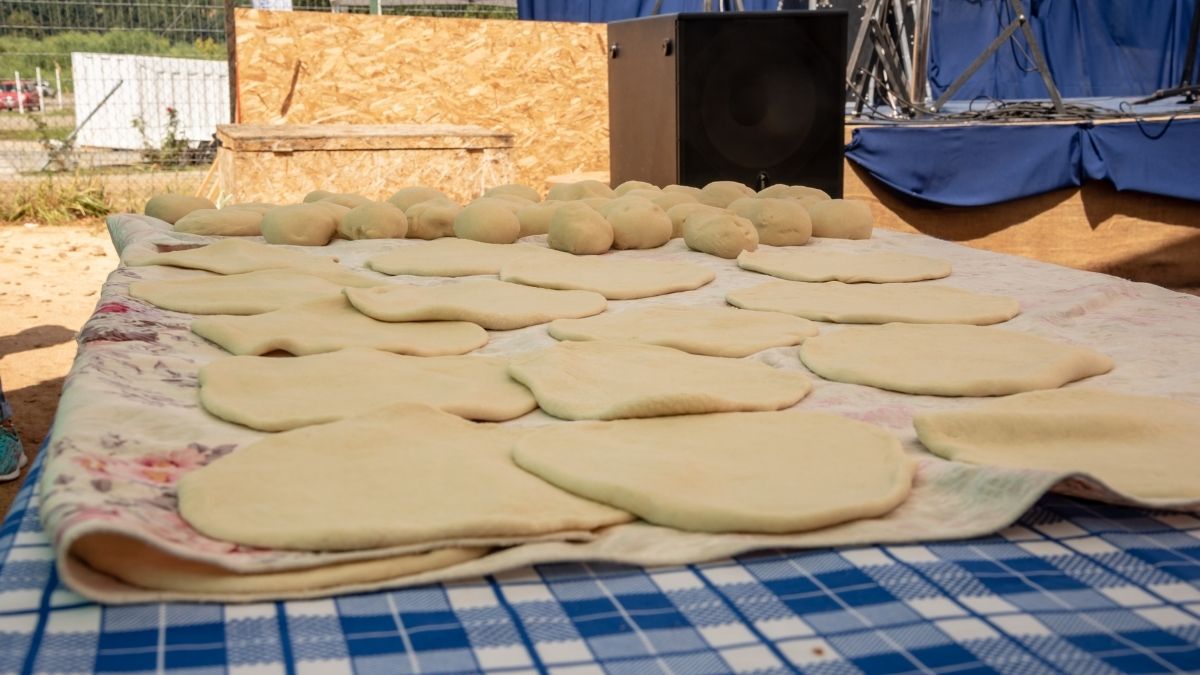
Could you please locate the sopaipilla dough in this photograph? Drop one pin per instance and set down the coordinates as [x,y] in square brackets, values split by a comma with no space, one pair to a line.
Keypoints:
[837,302]
[613,278]
[815,265]
[249,293]
[450,257]
[236,256]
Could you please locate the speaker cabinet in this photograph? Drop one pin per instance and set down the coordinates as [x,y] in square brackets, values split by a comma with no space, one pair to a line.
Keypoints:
[754,97]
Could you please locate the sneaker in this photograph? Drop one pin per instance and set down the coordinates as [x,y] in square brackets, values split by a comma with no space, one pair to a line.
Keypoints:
[12,456]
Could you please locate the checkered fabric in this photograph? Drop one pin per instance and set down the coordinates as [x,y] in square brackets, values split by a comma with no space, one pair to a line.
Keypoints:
[1075,587]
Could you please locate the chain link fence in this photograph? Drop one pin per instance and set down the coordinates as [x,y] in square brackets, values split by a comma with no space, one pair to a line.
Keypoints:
[104,103]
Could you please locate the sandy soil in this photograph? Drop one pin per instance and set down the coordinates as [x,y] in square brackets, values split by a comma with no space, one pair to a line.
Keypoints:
[50,279]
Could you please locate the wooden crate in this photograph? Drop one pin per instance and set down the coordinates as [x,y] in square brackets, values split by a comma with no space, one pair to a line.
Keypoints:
[281,163]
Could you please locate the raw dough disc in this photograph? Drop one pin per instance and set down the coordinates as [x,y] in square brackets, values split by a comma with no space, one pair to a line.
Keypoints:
[450,257]
[250,293]
[275,394]
[236,256]
[1144,447]
[851,268]
[710,331]
[948,360]
[772,472]
[140,564]
[876,303]
[332,324]
[614,279]
[403,474]
[614,380]
[495,305]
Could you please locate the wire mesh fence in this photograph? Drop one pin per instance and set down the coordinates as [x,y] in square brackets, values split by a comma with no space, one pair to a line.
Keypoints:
[104,103]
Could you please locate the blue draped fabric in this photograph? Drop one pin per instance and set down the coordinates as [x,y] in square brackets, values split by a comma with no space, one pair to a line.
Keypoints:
[603,11]
[1093,47]
[987,164]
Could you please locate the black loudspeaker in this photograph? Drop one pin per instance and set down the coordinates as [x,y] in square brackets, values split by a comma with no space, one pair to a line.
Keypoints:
[754,97]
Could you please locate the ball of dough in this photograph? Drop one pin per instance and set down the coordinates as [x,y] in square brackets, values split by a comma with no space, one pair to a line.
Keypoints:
[409,196]
[258,207]
[722,192]
[721,234]
[579,229]
[172,207]
[487,220]
[336,210]
[637,223]
[377,220]
[665,200]
[231,221]
[595,202]
[629,185]
[317,195]
[647,194]
[684,189]
[514,189]
[797,192]
[581,190]
[841,219]
[535,218]
[432,219]
[509,202]
[347,200]
[299,225]
[680,212]
[780,222]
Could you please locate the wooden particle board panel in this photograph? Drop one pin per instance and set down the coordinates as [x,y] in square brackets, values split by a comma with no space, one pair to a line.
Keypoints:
[543,82]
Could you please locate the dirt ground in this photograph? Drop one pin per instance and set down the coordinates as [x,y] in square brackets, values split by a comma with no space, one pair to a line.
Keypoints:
[50,278]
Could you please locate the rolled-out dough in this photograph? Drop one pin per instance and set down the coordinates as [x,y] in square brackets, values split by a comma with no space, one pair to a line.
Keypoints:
[401,475]
[495,305]
[233,256]
[614,380]
[450,257]
[948,360]
[1145,447]
[851,268]
[876,303]
[276,394]
[249,293]
[770,472]
[332,324]
[613,278]
[708,331]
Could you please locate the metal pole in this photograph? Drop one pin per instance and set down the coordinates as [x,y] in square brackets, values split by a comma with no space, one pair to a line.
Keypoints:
[58,84]
[20,98]
[231,52]
[41,99]
[919,82]
[1038,60]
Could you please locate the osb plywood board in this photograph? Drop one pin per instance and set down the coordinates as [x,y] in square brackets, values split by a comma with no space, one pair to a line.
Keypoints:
[545,83]
[293,137]
[283,178]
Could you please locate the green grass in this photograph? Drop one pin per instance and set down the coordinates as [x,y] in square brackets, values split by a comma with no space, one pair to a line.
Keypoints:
[56,201]
[52,133]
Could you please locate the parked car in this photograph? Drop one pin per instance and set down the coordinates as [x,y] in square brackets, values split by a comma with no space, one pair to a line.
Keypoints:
[11,99]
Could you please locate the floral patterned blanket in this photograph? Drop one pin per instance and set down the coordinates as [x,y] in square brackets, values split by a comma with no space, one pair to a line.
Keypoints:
[129,424]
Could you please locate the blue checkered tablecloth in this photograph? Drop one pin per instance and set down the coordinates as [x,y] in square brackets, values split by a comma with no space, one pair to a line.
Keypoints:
[1074,587]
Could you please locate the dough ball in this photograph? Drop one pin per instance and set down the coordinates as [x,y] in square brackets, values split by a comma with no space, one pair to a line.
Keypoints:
[722,192]
[515,190]
[797,192]
[595,202]
[579,229]
[257,207]
[172,207]
[299,225]
[432,219]
[231,221]
[317,195]
[535,218]
[684,189]
[647,194]
[409,196]
[680,212]
[336,210]
[637,223]
[665,200]
[377,220]
[780,222]
[487,220]
[721,234]
[347,200]
[581,190]
[509,202]
[629,185]
[841,219]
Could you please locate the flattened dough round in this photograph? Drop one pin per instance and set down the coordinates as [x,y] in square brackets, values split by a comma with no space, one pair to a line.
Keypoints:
[276,394]
[404,474]
[332,324]
[250,293]
[615,380]
[851,268]
[708,331]
[1145,447]
[948,360]
[876,303]
[495,305]
[614,279]
[450,257]
[770,472]
[233,256]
